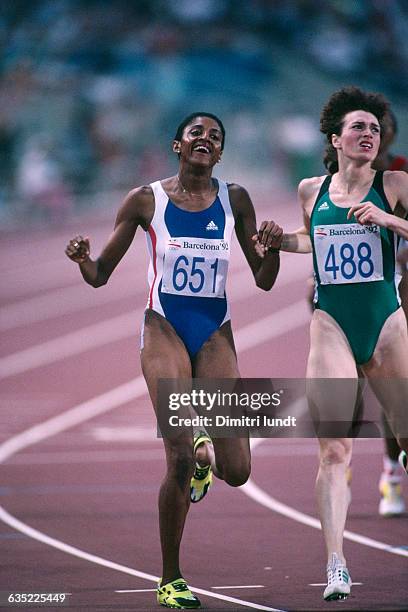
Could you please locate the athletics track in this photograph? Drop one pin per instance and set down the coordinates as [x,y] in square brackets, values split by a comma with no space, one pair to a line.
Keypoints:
[81,464]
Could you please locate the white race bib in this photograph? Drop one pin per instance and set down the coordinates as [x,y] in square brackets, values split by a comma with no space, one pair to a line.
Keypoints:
[195,267]
[348,253]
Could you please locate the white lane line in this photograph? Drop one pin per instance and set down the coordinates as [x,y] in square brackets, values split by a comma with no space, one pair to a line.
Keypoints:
[156,454]
[75,416]
[29,252]
[78,297]
[67,300]
[136,591]
[287,319]
[311,450]
[241,586]
[43,266]
[33,253]
[108,401]
[74,343]
[124,434]
[87,457]
[264,499]
[53,275]
[83,412]
[41,277]
[76,552]
[323,584]
[123,326]
[71,550]
[234,586]
[78,415]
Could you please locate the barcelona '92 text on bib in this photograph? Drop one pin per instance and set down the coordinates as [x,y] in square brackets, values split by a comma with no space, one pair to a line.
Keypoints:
[195,267]
[348,253]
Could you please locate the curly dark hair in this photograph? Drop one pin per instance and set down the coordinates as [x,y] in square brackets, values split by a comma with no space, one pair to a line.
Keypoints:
[340,103]
[189,119]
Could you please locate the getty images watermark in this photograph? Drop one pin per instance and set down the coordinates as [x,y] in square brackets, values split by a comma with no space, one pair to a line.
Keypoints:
[287,407]
[216,402]
[225,407]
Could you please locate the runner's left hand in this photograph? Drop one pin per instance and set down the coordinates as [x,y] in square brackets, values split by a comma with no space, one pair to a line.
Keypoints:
[368,214]
[269,236]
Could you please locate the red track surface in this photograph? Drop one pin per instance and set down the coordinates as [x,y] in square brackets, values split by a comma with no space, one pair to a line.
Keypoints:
[94,485]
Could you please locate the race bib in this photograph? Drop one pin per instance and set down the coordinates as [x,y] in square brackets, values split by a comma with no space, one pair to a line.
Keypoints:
[348,253]
[195,267]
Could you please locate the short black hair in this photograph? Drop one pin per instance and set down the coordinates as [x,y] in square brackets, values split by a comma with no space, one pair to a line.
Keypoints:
[343,101]
[189,119]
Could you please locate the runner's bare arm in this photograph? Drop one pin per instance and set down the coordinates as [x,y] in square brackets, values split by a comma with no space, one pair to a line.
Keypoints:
[137,209]
[264,268]
[396,188]
[299,240]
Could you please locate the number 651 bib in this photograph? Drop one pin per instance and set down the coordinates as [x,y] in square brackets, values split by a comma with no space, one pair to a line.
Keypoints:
[195,267]
[348,253]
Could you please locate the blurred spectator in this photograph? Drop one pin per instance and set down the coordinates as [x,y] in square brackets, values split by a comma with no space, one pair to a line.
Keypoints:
[201,11]
[105,79]
[300,141]
[40,182]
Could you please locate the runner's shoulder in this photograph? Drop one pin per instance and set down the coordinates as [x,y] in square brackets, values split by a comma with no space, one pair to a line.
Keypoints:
[236,191]
[395,178]
[140,195]
[239,199]
[139,204]
[309,187]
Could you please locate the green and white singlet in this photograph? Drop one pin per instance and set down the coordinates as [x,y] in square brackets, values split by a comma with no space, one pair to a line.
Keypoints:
[355,269]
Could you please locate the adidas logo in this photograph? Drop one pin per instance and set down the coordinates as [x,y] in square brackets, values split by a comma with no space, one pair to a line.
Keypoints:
[212,226]
[323,206]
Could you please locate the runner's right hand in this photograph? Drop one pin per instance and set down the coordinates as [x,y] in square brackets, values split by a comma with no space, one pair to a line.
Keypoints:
[78,249]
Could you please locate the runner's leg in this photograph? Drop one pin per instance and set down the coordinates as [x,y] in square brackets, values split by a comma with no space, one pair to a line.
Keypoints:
[164,356]
[387,372]
[217,359]
[331,357]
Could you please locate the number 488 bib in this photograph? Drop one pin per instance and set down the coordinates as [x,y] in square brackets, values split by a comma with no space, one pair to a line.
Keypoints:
[348,253]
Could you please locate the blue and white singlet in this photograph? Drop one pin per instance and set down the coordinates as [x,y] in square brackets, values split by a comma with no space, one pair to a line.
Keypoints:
[189,257]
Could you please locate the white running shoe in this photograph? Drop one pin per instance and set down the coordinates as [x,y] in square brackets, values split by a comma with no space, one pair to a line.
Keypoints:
[338,580]
[403,459]
[392,502]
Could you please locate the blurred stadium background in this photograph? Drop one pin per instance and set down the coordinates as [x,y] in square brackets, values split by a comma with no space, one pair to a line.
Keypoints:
[91,91]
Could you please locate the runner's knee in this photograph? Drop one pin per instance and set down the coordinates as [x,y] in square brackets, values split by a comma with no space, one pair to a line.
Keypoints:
[180,462]
[236,476]
[335,451]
